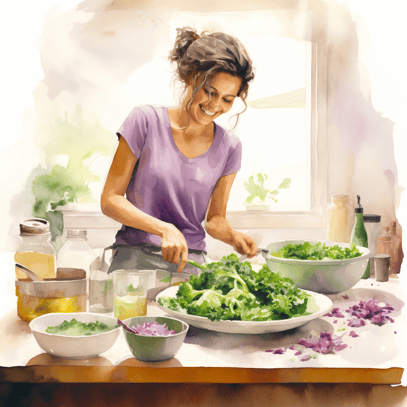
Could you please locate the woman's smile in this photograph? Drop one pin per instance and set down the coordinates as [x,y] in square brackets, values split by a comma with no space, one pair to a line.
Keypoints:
[206,111]
[214,99]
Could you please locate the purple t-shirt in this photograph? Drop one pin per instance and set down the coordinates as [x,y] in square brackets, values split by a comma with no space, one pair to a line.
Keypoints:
[168,185]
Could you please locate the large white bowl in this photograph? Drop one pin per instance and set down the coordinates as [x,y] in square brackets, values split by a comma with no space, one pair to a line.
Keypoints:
[73,347]
[321,276]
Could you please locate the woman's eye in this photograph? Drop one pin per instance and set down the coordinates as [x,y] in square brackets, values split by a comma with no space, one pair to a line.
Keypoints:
[228,101]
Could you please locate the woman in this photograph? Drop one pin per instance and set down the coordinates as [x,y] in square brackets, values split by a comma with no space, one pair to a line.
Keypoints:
[175,165]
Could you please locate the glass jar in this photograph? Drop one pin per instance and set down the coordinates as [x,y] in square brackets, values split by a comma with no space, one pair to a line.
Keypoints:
[130,293]
[383,245]
[76,252]
[339,219]
[35,250]
[100,291]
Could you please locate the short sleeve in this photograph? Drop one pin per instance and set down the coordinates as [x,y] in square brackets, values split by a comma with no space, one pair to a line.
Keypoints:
[134,130]
[234,160]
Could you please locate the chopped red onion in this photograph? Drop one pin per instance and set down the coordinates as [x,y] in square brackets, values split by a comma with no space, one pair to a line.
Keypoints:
[323,343]
[280,351]
[353,334]
[148,329]
[335,313]
[356,322]
[363,311]
[369,310]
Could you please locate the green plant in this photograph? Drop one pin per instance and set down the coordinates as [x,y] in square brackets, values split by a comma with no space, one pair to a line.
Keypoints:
[257,189]
[74,140]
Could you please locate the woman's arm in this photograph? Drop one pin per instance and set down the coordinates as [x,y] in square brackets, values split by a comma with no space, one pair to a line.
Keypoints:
[113,204]
[219,227]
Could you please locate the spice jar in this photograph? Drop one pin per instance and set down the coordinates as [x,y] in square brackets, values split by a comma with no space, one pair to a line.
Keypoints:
[383,245]
[35,250]
[373,229]
[339,219]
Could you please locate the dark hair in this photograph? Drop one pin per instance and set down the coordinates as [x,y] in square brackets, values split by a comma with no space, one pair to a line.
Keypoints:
[208,54]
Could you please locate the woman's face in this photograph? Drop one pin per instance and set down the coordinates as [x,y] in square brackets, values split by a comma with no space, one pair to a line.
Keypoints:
[213,100]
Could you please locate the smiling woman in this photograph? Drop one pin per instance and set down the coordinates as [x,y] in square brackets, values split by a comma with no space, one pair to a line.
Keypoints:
[174,167]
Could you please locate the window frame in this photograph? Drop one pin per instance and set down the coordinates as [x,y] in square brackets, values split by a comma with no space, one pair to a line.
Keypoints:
[316,216]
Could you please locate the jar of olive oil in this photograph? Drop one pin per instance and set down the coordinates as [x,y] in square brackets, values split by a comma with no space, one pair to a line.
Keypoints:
[35,250]
[36,253]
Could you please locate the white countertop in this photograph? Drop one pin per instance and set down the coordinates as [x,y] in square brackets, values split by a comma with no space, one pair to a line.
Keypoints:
[378,347]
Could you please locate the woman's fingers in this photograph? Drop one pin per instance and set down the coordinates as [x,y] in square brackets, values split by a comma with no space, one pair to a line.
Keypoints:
[184,260]
[174,247]
[244,244]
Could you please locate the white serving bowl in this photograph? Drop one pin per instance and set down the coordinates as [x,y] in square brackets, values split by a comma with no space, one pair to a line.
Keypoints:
[321,276]
[73,347]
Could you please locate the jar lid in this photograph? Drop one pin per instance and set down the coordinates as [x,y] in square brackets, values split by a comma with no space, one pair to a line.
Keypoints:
[79,233]
[339,197]
[385,238]
[371,218]
[35,226]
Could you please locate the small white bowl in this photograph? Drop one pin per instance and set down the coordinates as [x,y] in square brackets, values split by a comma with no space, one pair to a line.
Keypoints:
[321,276]
[73,347]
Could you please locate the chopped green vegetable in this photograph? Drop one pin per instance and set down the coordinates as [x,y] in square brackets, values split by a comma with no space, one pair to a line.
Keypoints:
[317,251]
[76,328]
[231,290]
[134,290]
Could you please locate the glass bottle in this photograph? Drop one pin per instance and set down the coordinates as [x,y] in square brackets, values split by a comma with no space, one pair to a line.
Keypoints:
[100,286]
[396,251]
[339,219]
[35,250]
[359,234]
[76,252]
[373,229]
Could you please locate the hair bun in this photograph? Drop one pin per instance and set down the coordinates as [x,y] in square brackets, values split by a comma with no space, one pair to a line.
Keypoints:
[185,37]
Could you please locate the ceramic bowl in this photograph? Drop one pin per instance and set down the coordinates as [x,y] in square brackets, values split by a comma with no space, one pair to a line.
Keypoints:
[73,347]
[155,348]
[321,276]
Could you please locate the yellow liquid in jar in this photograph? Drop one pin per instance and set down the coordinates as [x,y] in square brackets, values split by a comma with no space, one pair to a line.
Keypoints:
[41,263]
[126,307]
[29,307]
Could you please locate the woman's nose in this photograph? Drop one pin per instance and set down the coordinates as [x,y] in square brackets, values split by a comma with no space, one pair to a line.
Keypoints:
[214,103]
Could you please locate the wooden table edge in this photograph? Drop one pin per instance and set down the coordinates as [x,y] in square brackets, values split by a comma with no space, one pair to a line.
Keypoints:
[221,375]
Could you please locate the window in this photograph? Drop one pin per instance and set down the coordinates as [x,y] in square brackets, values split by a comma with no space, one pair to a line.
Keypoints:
[283,128]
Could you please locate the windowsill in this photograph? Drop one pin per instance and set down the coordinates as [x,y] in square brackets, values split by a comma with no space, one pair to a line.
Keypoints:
[89,216]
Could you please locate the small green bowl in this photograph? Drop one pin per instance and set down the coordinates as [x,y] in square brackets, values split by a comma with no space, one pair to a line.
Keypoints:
[155,348]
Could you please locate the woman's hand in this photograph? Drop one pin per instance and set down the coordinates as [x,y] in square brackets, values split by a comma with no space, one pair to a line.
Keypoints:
[244,244]
[219,227]
[174,247]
